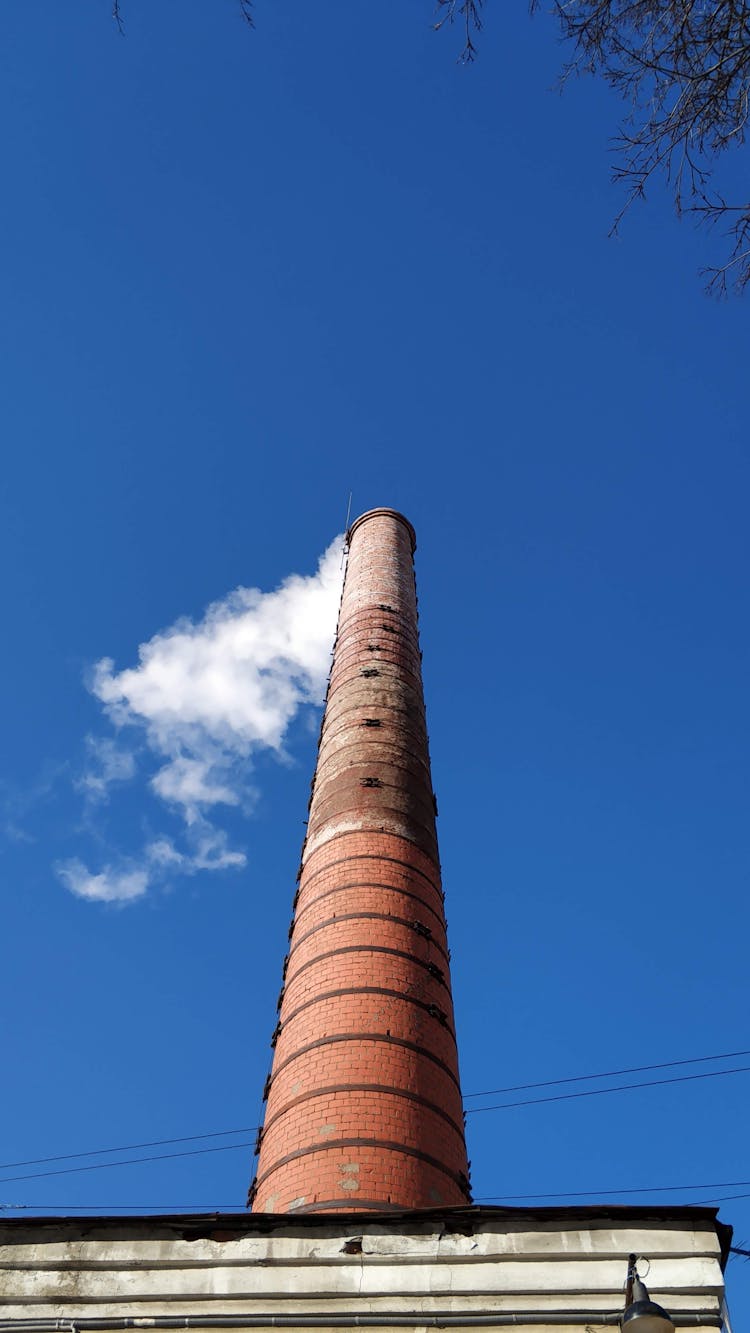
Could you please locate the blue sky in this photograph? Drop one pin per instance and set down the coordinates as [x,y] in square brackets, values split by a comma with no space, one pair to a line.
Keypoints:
[246,273]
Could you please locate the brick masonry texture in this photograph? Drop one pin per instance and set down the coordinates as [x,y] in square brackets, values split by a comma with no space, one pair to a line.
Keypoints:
[363,1102]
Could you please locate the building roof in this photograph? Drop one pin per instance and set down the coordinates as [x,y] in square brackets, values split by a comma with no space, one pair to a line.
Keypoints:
[460,1219]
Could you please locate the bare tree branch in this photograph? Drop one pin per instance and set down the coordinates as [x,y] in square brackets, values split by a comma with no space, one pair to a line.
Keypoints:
[683,67]
[470,13]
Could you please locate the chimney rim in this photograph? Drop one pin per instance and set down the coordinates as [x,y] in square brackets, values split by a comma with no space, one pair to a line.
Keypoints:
[382,513]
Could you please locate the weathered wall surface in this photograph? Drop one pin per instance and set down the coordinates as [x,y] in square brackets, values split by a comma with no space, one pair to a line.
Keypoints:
[461,1263]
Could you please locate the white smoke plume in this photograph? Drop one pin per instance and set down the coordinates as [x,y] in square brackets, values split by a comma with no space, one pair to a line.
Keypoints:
[205,697]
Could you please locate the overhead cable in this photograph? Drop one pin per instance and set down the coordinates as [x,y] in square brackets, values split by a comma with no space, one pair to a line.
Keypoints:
[517,1087]
[601,1092]
[587,1194]
[610,1073]
[123,1207]
[610,1192]
[129,1147]
[126,1161]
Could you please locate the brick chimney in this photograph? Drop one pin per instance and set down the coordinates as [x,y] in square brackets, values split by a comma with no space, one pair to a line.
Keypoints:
[363,1101]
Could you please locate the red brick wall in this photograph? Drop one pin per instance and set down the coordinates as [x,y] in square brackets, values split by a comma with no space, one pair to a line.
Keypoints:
[363,1104]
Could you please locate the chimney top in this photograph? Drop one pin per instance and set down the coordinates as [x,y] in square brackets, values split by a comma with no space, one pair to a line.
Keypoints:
[383,513]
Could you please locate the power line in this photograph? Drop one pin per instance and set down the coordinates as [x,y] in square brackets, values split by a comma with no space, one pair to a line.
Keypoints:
[518,1087]
[724,1198]
[485,1198]
[122,1207]
[127,1161]
[129,1147]
[610,1073]
[601,1092]
[610,1191]
[640,1189]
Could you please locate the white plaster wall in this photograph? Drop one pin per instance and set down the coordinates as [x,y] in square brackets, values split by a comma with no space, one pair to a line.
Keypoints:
[147,1268]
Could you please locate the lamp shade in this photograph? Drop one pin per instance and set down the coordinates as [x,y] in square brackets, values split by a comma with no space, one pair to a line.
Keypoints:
[643,1315]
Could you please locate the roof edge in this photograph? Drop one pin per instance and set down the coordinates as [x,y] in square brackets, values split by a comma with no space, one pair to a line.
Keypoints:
[456,1218]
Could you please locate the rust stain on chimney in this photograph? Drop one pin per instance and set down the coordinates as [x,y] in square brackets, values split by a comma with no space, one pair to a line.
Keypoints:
[364,1106]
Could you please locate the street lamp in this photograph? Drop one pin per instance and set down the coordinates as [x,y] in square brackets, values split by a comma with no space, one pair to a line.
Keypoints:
[642,1315]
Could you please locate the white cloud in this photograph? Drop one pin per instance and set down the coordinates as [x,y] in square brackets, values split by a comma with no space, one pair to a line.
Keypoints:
[108,763]
[162,852]
[212,853]
[206,696]
[208,851]
[192,783]
[108,886]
